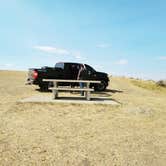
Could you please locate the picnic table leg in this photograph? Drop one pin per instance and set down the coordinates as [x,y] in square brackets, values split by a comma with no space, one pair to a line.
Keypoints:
[88,95]
[87,92]
[55,92]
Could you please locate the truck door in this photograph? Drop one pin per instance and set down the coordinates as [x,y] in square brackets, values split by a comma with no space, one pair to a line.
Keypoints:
[71,71]
[91,72]
[67,71]
[58,72]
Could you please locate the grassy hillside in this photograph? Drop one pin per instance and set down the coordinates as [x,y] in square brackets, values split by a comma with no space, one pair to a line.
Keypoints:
[72,134]
[149,85]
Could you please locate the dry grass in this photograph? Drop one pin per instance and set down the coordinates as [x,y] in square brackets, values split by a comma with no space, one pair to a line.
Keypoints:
[71,134]
[150,85]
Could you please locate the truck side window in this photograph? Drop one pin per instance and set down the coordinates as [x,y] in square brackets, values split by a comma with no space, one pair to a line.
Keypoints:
[59,65]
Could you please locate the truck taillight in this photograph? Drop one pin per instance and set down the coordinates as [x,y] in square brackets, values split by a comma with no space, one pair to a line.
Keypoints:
[35,74]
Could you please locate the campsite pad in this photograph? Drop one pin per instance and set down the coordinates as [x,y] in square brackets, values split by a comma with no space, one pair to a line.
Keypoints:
[72,100]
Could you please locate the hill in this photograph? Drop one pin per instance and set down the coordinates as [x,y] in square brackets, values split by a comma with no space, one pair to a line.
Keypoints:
[72,134]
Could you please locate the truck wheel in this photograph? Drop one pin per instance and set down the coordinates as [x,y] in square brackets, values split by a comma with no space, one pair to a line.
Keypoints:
[50,85]
[100,87]
[44,87]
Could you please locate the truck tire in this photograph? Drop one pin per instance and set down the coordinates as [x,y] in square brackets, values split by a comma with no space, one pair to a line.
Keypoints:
[44,87]
[101,87]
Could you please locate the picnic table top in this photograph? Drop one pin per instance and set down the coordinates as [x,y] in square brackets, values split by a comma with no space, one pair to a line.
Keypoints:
[62,80]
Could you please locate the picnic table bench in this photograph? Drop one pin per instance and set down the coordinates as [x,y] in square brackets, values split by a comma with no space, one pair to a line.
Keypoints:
[55,89]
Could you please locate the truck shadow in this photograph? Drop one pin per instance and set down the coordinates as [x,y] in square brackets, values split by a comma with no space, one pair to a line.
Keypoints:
[107,92]
[105,99]
[113,91]
[96,96]
[43,91]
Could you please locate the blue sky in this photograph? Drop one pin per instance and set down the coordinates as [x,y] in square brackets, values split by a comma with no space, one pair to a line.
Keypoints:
[121,37]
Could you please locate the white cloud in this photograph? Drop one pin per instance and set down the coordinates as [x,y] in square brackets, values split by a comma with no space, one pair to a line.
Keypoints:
[162,58]
[103,45]
[122,62]
[52,50]
[8,65]
[60,51]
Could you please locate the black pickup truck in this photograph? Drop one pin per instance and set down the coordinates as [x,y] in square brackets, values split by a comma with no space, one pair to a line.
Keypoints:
[65,70]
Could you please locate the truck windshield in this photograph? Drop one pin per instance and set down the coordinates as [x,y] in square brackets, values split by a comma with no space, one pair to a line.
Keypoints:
[59,65]
[89,68]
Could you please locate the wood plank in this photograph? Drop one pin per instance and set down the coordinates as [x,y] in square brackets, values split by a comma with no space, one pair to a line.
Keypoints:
[72,89]
[77,81]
